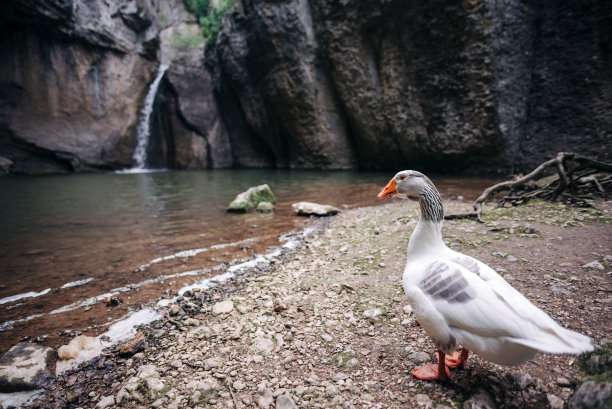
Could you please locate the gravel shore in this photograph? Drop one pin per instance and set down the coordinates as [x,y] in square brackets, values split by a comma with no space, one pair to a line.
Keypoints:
[327,325]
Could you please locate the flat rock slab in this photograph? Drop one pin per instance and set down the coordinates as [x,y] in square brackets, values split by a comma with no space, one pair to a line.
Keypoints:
[25,367]
[314,209]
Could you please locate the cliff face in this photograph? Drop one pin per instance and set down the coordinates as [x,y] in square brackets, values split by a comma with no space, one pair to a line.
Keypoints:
[435,84]
[494,85]
[73,77]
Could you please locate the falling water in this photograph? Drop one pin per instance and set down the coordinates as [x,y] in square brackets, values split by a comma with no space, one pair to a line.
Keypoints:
[139,159]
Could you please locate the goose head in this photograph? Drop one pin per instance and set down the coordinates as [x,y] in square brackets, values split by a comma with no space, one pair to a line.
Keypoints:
[407,184]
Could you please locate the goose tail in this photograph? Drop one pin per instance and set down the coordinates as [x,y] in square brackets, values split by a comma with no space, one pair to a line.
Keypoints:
[559,340]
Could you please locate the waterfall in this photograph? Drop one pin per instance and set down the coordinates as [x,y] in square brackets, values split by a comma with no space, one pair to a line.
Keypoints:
[139,159]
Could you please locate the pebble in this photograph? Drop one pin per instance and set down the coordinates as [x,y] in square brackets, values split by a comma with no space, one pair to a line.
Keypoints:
[373,313]
[106,402]
[407,309]
[351,363]
[223,307]
[263,346]
[561,381]
[174,310]
[422,400]
[264,398]
[554,401]
[594,264]
[239,385]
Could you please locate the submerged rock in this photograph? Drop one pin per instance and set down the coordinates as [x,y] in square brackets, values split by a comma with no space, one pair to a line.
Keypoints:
[314,209]
[265,207]
[25,367]
[249,200]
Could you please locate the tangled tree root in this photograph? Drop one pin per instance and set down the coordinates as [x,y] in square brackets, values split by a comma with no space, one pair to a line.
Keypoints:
[578,180]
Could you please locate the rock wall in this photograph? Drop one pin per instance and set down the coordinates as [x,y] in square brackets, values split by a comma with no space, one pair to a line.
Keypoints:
[456,86]
[472,86]
[73,77]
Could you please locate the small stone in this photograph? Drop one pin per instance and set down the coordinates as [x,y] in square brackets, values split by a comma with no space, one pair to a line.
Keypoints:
[106,402]
[419,357]
[214,362]
[279,306]
[264,398]
[72,396]
[136,344]
[174,310]
[480,400]
[191,322]
[511,259]
[340,376]
[264,207]
[327,337]
[262,345]
[407,309]
[561,381]
[554,401]
[594,264]
[422,400]
[114,302]
[239,385]
[353,362]
[373,313]
[223,307]
[521,379]
[285,402]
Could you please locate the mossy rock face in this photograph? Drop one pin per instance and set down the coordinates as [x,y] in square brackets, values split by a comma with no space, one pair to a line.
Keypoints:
[249,200]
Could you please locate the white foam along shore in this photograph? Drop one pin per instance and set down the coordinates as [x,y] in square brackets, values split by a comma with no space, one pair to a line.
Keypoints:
[125,328]
[7,325]
[77,283]
[193,252]
[29,294]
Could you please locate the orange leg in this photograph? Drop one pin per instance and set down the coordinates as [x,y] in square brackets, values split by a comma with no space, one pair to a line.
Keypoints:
[457,360]
[431,372]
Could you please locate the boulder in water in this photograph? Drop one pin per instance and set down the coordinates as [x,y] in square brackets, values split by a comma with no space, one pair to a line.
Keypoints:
[249,200]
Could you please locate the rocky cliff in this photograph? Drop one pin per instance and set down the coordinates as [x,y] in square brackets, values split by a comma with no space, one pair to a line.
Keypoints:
[472,85]
[468,86]
[73,77]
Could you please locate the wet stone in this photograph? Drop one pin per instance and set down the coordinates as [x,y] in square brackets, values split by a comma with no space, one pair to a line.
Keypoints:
[25,367]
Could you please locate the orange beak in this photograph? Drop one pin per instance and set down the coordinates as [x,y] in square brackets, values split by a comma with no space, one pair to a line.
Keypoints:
[389,190]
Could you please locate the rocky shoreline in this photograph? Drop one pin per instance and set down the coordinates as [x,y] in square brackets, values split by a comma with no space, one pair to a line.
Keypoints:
[328,326]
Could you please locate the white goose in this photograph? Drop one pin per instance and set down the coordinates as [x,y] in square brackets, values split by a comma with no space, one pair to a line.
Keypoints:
[459,300]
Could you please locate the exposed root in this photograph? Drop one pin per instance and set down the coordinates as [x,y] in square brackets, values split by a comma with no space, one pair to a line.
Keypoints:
[578,181]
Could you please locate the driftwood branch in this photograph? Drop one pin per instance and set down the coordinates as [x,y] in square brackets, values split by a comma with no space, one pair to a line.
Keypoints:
[562,162]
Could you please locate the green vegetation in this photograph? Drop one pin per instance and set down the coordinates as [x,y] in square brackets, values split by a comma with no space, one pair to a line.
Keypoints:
[185,42]
[209,15]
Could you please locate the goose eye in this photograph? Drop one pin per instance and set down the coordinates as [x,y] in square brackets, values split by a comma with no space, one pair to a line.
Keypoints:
[402,177]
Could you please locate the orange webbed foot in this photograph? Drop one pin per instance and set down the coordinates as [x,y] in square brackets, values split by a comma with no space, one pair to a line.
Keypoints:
[457,360]
[430,372]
